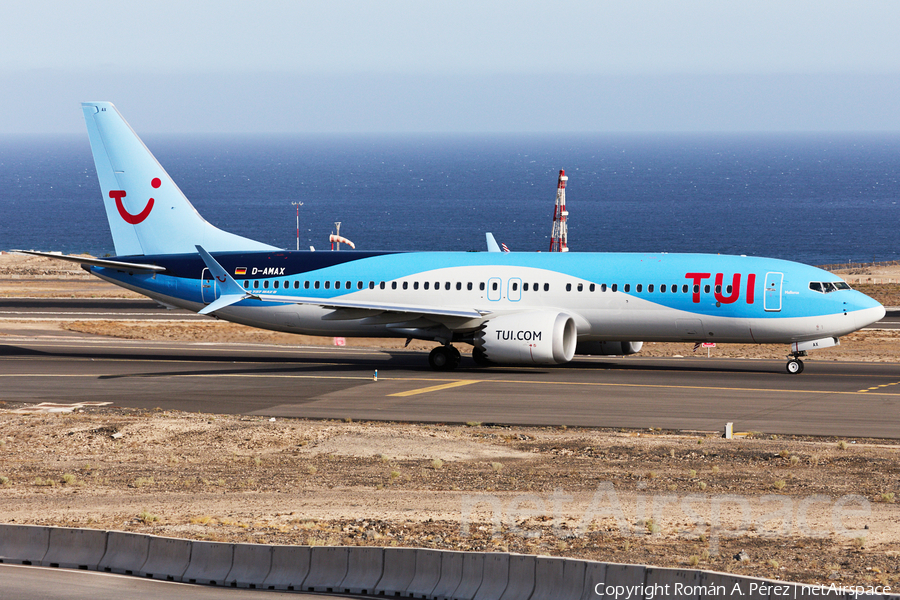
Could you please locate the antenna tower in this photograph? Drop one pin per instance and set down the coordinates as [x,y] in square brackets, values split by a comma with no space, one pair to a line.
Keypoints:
[558,238]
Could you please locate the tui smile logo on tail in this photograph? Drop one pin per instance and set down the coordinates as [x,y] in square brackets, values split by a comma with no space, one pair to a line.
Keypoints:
[127,216]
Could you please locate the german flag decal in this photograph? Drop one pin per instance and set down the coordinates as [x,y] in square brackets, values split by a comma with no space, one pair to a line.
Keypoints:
[240,271]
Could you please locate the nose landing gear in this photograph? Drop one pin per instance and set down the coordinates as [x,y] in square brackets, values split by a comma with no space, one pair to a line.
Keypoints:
[444,358]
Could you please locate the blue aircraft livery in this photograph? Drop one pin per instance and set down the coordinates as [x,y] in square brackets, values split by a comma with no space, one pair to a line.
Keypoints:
[513,308]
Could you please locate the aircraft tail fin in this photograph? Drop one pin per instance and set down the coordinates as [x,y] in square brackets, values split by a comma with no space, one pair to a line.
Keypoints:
[147,212]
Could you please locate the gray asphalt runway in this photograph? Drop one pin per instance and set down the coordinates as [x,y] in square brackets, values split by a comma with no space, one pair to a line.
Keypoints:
[829,398]
[39,583]
[91,308]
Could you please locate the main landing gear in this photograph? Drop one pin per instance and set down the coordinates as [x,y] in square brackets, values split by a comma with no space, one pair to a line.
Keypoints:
[444,358]
[794,364]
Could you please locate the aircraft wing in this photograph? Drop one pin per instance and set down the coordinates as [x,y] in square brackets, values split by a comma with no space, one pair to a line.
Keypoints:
[377,307]
[98,262]
[232,292]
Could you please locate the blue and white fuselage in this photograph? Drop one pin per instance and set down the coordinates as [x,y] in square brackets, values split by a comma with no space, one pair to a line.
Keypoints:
[512,307]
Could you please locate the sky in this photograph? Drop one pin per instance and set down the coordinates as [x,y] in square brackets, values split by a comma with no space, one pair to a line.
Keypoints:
[395,66]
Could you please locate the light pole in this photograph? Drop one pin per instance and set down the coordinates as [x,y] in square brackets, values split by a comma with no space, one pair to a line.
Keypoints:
[298,205]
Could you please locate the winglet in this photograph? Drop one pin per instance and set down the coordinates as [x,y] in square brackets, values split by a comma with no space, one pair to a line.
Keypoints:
[232,291]
[492,244]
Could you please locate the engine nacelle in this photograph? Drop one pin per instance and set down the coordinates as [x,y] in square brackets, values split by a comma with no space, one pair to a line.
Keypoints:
[540,337]
[608,348]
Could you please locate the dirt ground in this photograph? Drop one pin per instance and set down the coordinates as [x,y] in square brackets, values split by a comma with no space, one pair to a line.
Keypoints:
[802,509]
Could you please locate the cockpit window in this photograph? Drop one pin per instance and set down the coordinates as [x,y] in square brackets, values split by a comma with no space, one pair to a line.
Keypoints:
[826,287]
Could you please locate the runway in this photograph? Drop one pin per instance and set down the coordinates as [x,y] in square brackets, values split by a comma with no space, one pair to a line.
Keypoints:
[829,398]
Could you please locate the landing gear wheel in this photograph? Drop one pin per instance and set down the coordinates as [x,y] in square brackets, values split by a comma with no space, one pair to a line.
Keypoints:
[444,358]
[480,357]
[795,366]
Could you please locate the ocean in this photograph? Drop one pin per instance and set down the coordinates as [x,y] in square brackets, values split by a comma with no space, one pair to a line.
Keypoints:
[816,199]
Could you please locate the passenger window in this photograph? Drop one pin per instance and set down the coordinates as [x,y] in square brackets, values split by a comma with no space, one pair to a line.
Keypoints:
[706,288]
[425,286]
[316,285]
[728,289]
[469,286]
[639,287]
[662,288]
[524,287]
[337,285]
[494,286]
[275,284]
[615,287]
[371,285]
[481,286]
[246,283]
[718,289]
[650,288]
[256,284]
[580,287]
[359,285]
[458,285]
[327,285]
[447,286]
[546,287]
[592,287]
[568,287]
[696,288]
[415,285]
[627,287]
[393,285]
[348,285]
[684,289]
[405,285]
[306,285]
[265,284]
[297,284]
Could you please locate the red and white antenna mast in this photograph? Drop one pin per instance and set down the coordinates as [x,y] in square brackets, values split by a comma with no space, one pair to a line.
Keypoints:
[558,238]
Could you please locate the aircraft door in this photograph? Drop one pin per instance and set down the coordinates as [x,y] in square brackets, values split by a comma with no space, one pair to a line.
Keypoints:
[772,297]
[514,291]
[494,289]
[209,290]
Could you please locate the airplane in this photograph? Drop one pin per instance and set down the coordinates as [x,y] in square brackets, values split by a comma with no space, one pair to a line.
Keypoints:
[511,307]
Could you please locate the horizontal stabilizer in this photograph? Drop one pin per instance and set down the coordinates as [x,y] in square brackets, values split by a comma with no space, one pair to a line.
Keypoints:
[98,262]
[232,292]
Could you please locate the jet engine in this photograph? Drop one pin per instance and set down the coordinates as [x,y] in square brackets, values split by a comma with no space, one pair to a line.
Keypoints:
[540,337]
[608,348]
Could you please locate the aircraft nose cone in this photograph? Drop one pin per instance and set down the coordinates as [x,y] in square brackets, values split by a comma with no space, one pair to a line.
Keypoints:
[869,315]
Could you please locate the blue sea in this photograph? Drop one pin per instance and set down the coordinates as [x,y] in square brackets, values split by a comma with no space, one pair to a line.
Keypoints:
[816,199]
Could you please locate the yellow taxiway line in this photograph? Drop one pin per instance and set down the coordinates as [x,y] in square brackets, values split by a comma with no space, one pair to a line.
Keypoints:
[436,388]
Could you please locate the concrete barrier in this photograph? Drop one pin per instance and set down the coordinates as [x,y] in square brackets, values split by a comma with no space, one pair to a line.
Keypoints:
[210,563]
[724,585]
[399,570]
[167,558]
[451,575]
[495,577]
[427,575]
[250,566]
[126,553]
[327,569]
[594,580]
[548,577]
[572,586]
[672,584]
[472,575]
[613,574]
[23,544]
[521,577]
[290,566]
[558,578]
[71,548]
[364,568]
